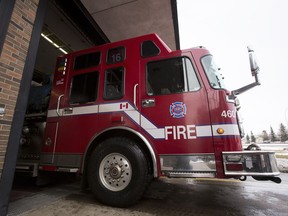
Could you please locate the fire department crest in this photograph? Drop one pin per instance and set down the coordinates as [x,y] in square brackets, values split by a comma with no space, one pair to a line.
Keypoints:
[177,109]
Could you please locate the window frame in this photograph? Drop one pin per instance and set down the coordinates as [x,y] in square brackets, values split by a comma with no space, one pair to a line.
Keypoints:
[150,54]
[88,66]
[122,90]
[96,88]
[186,80]
[223,87]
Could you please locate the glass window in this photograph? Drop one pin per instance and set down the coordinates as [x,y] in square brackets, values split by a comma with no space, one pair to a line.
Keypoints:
[114,83]
[149,48]
[87,60]
[116,55]
[171,76]
[84,88]
[193,82]
[212,72]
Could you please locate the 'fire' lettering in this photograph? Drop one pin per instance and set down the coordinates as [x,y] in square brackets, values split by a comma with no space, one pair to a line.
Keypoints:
[180,132]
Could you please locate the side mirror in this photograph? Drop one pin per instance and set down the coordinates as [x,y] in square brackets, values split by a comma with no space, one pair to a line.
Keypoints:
[254,70]
[253,62]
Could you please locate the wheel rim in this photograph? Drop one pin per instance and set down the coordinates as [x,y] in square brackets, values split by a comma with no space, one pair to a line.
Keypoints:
[115,172]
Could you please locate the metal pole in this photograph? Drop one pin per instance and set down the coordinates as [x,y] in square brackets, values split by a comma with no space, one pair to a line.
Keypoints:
[6,9]
[18,118]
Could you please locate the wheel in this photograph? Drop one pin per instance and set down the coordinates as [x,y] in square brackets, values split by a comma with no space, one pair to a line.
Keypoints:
[118,172]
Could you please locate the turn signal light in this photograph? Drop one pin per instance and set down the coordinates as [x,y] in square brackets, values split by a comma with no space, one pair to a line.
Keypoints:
[220,131]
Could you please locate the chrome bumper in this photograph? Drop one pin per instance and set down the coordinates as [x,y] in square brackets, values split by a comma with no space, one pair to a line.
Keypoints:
[250,163]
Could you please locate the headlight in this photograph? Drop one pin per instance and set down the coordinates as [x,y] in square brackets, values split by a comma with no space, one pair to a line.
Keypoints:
[233,158]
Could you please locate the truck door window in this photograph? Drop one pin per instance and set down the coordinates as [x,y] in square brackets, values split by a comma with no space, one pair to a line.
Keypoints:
[114,83]
[212,72]
[84,88]
[171,76]
[87,60]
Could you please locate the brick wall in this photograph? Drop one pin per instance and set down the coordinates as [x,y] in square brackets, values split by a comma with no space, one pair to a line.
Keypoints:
[12,61]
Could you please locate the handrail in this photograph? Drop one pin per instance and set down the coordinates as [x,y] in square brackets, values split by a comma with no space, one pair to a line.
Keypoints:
[135,96]
[58,104]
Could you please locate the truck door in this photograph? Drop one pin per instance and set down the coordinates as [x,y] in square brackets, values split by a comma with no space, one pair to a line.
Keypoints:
[54,112]
[69,119]
[174,108]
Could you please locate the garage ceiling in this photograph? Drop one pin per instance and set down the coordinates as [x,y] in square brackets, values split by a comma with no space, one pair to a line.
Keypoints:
[122,19]
[79,24]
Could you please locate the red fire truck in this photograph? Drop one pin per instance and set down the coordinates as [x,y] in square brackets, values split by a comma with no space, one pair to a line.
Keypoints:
[124,113]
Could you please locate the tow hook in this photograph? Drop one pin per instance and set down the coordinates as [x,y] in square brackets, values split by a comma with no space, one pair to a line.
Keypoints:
[266,178]
[242,178]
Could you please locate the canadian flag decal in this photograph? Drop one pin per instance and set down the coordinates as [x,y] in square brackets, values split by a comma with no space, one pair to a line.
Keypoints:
[124,106]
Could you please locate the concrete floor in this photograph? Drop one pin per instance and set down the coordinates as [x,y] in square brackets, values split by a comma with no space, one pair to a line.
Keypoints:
[163,197]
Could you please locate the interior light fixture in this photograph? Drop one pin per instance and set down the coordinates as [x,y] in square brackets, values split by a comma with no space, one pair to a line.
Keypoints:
[53,43]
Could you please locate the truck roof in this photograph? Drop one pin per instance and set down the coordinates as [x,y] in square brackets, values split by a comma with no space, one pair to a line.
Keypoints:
[134,44]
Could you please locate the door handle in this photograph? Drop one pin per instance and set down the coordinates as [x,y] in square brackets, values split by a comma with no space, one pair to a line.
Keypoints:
[148,102]
[58,105]
[68,110]
[135,95]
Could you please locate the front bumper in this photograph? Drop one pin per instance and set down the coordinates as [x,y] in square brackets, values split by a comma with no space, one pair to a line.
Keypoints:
[250,163]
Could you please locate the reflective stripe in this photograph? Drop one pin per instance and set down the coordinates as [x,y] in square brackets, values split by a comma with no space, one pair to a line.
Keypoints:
[76,111]
[149,127]
[83,110]
[115,107]
[143,122]
[229,130]
[203,131]
[52,113]
[134,115]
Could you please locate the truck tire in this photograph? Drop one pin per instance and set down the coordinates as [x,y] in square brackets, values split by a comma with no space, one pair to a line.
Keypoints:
[118,172]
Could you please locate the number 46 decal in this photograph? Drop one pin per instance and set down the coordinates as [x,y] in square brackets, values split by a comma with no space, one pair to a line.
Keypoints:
[228,114]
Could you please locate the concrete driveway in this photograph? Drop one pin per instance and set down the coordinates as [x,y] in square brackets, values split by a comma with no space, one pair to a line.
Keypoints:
[163,197]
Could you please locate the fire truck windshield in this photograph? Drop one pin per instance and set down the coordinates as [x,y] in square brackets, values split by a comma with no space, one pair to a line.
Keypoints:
[212,72]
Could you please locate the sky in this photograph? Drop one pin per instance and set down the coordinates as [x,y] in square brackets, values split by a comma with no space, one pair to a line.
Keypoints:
[226,28]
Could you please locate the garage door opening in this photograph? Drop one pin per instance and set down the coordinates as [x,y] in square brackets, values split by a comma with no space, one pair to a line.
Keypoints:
[62,33]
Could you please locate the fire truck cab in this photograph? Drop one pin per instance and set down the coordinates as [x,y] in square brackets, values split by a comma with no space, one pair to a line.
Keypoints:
[124,113]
